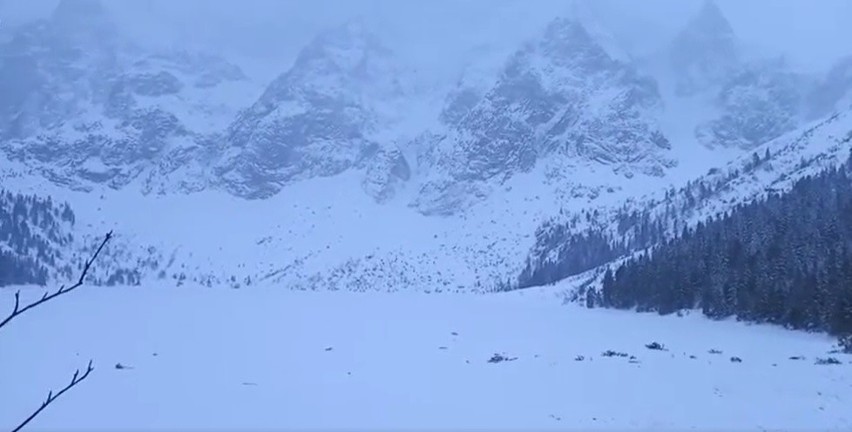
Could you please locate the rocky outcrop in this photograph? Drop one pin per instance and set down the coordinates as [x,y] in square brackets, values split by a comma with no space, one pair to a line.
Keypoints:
[755,101]
[760,103]
[386,171]
[320,118]
[83,106]
[561,97]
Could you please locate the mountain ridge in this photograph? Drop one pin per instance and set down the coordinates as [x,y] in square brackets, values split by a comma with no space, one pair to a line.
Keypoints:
[360,175]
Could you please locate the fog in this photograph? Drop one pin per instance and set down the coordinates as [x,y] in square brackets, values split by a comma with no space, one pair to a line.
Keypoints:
[810,33]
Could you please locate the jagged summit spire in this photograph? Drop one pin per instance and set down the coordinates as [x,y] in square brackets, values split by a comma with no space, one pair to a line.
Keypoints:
[711,21]
[706,51]
[587,23]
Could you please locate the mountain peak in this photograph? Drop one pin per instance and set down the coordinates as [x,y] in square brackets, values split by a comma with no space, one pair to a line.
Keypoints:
[708,29]
[568,31]
[593,24]
[568,43]
[706,51]
[344,48]
[711,20]
[82,17]
[581,30]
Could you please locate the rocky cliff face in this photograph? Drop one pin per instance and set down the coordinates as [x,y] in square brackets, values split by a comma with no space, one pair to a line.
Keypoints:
[83,106]
[322,117]
[561,98]
[755,100]
[761,102]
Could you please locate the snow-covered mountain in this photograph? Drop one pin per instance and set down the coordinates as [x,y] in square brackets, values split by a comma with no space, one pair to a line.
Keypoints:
[742,100]
[546,162]
[760,102]
[354,170]
[478,75]
[560,100]
[706,52]
[85,107]
[335,109]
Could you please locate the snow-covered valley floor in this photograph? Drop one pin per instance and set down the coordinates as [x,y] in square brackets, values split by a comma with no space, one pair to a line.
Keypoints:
[251,359]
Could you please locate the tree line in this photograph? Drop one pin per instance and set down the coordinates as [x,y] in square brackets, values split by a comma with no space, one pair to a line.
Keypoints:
[33,231]
[785,259]
[586,240]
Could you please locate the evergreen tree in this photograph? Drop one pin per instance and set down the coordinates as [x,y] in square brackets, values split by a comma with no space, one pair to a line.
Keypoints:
[31,235]
[785,259]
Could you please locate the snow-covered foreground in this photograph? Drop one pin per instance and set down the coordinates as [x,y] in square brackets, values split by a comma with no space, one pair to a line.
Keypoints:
[200,358]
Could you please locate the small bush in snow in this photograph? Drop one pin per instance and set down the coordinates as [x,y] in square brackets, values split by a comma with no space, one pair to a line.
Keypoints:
[714,351]
[611,353]
[736,360]
[656,346]
[499,358]
[828,361]
[845,343]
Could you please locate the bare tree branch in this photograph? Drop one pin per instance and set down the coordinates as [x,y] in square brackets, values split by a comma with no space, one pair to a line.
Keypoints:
[76,379]
[62,290]
[18,310]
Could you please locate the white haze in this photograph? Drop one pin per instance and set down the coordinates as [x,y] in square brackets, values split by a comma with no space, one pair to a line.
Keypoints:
[440,33]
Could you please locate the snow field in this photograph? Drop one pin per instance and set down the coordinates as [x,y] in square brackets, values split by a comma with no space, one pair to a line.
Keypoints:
[217,359]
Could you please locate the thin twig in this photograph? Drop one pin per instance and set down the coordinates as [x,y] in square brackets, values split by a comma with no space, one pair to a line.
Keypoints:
[76,379]
[62,290]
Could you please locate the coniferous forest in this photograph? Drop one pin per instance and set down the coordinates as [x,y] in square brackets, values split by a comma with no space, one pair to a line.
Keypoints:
[786,259]
[31,237]
[565,248]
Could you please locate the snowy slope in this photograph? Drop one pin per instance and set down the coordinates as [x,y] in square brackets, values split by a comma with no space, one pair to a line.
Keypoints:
[326,233]
[773,167]
[272,359]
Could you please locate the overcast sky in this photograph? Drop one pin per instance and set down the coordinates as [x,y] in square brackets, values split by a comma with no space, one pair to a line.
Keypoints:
[812,33]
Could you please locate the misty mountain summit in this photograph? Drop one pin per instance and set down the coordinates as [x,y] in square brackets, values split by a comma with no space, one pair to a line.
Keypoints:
[706,52]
